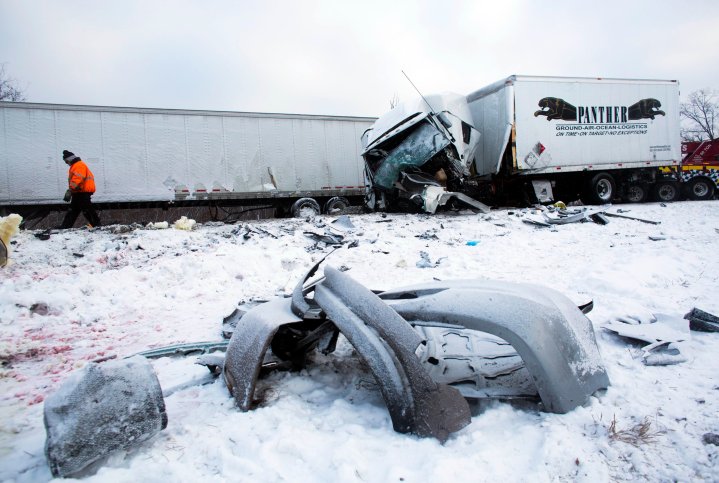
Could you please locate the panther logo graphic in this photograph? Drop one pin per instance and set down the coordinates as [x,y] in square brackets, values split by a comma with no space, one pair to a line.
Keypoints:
[555,108]
[645,109]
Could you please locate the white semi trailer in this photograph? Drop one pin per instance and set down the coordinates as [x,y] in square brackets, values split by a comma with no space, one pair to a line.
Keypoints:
[160,156]
[594,138]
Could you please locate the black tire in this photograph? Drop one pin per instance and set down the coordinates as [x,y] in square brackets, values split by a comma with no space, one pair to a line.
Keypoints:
[700,188]
[666,191]
[337,203]
[305,207]
[635,193]
[600,189]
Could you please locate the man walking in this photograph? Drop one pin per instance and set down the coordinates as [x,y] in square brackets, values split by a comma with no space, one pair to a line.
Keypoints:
[81,184]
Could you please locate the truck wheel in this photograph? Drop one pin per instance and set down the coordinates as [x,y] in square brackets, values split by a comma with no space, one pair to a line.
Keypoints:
[635,193]
[600,189]
[666,191]
[305,207]
[700,188]
[338,203]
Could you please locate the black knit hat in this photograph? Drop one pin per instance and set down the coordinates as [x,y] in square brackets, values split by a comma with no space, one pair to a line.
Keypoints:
[68,156]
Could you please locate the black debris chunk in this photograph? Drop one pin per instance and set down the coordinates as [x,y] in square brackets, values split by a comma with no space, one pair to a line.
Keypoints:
[599,219]
[711,438]
[43,235]
[702,321]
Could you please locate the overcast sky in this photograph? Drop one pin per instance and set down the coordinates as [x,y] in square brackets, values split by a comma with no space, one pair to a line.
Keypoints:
[338,56]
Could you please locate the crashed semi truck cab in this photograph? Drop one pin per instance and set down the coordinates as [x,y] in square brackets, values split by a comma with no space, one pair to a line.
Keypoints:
[563,138]
[419,155]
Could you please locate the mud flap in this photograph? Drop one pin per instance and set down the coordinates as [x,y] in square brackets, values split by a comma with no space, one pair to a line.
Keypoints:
[388,344]
[100,409]
[551,335]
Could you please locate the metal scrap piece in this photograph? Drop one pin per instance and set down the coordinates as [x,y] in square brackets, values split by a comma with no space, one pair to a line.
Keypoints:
[191,348]
[702,321]
[617,215]
[663,353]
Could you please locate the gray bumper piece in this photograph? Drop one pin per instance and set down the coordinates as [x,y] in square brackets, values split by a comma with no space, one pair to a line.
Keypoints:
[552,336]
[248,346]
[100,409]
[388,344]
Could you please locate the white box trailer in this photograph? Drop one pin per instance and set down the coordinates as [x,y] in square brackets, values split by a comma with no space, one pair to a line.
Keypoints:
[162,155]
[594,137]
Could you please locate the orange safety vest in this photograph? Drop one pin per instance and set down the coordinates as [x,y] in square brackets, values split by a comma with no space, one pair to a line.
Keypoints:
[80,178]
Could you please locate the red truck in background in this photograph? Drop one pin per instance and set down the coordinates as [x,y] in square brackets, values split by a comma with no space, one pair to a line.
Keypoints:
[700,169]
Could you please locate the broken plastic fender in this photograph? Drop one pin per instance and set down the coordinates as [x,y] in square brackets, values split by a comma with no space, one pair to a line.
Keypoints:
[417,404]
[552,336]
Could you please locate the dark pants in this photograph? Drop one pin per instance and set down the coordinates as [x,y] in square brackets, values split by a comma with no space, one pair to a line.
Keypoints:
[80,202]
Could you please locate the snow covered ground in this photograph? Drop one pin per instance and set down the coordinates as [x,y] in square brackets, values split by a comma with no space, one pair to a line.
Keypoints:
[86,295]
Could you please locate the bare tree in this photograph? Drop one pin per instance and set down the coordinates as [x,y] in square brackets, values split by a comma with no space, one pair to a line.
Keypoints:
[9,90]
[700,112]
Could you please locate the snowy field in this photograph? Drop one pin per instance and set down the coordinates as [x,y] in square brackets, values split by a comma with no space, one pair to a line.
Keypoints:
[85,295]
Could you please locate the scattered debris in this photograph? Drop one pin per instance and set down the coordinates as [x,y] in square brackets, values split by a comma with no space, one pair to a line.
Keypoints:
[326,238]
[661,328]
[184,223]
[662,332]
[563,216]
[121,229]
[617,215]
[531,220]
[425,262]
[43,235]
[160,225]
[599,218]
[702,321]
[427,235]
[343,222]
[663,353]
[265,231]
